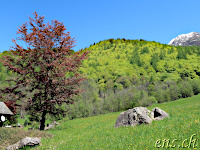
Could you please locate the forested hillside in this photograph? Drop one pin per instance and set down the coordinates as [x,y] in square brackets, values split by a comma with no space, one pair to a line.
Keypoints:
[132,60]
[124,73]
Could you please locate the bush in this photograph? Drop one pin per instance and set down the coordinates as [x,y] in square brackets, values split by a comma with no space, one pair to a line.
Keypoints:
[153,100]
[151,90]
[34,117]
[159,94]
[65,119]
[35,124]
[195,86]
[142,99]
[11,120]
[175,92]
[136,98]
[186,89]
[166,94]
[25,123]
[123,99]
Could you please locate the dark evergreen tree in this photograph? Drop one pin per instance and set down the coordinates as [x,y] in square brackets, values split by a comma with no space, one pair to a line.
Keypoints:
[155,58]
[135,58]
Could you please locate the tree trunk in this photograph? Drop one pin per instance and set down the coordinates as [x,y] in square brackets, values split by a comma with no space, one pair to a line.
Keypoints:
[42,121]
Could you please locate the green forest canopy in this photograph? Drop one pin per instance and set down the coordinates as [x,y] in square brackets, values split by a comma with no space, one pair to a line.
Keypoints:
[125,61]
[120,62]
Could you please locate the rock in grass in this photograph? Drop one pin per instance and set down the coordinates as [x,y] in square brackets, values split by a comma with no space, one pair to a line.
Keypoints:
[133,117]
[51,126]
[31,141]
[158,114]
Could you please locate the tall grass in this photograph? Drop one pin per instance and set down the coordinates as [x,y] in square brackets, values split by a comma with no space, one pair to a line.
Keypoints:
[98,132]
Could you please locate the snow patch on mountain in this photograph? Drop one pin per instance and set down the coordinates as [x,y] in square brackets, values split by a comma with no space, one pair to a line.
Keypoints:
[186,39]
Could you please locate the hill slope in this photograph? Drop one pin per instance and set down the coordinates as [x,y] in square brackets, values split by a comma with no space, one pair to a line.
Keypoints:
[124,73]
[110,60]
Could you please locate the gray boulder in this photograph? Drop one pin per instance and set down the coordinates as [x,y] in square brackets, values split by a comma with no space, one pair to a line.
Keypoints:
[31,141]
[19,125]
[51,126]
[158,114]
[133,117]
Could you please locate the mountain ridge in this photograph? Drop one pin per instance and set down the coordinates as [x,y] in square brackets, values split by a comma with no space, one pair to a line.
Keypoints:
[190,39]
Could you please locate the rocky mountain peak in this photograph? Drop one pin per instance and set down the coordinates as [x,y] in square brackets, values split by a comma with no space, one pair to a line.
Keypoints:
[189,39]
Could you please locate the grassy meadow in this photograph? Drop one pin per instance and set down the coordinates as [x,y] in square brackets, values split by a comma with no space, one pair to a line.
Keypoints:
[98,132]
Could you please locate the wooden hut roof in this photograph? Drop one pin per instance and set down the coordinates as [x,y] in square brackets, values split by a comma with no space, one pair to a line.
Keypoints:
[4,110]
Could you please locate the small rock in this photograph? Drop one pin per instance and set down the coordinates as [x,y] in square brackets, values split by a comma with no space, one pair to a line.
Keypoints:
[31,141]
[158,114]
[51,126]
[18,124]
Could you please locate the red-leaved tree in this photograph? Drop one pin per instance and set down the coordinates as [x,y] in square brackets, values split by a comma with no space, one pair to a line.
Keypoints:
[44,67]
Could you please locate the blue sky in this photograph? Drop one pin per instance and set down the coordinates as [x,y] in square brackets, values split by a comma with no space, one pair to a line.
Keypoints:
[90,21]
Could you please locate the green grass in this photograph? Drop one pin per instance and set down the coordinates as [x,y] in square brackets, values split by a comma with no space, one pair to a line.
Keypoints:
[21,122]
[98,132]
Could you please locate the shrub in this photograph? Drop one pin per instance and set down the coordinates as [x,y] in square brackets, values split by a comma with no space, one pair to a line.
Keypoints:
[159,94]
[186,89]
[195,86]
[11,120]
[35,124]
[136,98]
[175,92]
[65,119]
[166,94]
[34,117]
[25,123]
[153,100]
[151,90]
[142,98]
